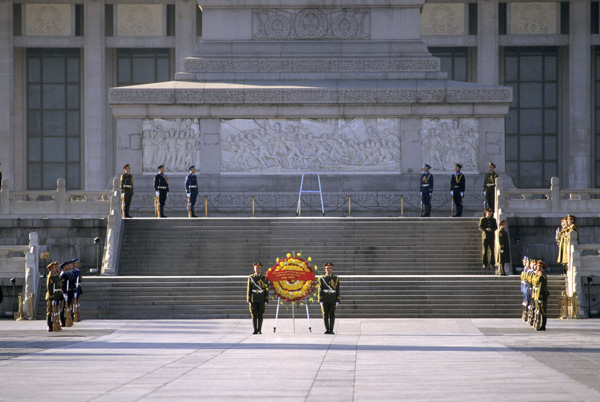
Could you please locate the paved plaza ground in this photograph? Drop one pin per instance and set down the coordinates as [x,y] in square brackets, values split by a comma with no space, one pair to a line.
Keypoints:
[367,360]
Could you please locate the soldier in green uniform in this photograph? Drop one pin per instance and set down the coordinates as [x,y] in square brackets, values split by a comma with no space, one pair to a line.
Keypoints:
[488,228]
[126,190]
[542,299]
[489,186]
[503,248]
[329,297]
[53,296]
[257,296]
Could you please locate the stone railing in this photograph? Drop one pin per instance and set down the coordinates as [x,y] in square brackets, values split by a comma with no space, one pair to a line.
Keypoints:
[25,271]
[583,273]
[552,202]
[113,232]
[53,203]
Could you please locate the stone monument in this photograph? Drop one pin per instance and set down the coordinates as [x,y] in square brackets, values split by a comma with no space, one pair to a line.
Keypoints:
[343,88]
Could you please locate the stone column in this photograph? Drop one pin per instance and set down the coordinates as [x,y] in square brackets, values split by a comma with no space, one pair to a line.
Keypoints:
[185,34]
[6,90]
[487,42]
[580,135]
[95,172]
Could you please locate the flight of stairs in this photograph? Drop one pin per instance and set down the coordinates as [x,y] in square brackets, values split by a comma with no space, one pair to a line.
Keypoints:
[389,268]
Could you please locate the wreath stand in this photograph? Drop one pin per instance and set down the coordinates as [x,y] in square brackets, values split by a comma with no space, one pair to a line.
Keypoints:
[293,316]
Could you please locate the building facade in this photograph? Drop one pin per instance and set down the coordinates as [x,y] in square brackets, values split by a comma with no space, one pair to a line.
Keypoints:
[59,60]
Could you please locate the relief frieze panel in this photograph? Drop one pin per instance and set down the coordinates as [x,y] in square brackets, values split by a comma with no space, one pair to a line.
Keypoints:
[311,23]
[445,142]
[172,142]
[320,145]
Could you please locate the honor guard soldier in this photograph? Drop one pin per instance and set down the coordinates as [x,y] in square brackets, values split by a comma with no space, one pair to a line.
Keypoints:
[78,290]
[161,186]
[457,189]
[488,228]
[257,297]
[53,296]
[489,186]
[524,287]
[426,190]
[68,285]
[191,189]
[540,297]
[329,297]
[564,244]
[126,190]
[503,248]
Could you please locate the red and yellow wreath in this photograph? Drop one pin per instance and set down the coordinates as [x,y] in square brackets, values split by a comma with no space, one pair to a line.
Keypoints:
[292,278]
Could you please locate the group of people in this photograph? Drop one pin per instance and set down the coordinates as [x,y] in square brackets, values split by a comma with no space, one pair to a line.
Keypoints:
[534,287]
[328,290]
[567,225]
[63,294]
[457,189]
[161,187]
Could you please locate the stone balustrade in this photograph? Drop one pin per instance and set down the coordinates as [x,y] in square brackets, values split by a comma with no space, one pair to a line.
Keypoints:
[583,274]
[113,232]
[53,203]
[552,202]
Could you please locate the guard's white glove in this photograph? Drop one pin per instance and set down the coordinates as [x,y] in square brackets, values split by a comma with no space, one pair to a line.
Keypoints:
[321,304]
[502,251]
[250,304]
[53,302]
[188,194]
[451,192]
[483,192]
[158,193]
[461,193]
[336,303]
[66,298]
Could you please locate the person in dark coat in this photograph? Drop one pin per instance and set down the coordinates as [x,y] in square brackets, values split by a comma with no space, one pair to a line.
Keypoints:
[457,189]
[161,186]
[503,248]
[488,228]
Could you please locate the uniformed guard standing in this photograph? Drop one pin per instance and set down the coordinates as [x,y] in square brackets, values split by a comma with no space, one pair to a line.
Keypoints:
[329,297]
[457,189]
[541,300]
[488,228]
[161,186]
[489,186]
[503,248]
[78,290]
[426,190]
[524,287]
[53,296]
[191,189]
[126,190]
[68,283]
[257,296]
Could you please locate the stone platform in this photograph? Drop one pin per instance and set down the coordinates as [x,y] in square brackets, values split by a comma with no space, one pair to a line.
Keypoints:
[368,359]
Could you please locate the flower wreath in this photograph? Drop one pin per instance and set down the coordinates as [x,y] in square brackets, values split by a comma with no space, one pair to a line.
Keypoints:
[292,278]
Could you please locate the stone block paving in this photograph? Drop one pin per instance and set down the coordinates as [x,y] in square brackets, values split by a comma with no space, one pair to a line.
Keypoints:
[367,360]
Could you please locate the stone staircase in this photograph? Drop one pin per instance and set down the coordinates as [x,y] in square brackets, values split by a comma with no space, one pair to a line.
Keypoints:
[389,267]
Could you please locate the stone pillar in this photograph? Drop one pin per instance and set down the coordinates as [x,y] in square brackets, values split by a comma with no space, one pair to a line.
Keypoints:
[95,172]
[580,135]
[6,89]
[185,34]
[487,42]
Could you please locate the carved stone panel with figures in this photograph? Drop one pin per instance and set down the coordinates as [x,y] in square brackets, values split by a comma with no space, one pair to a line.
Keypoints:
[172,142]
[445,142]
[319,145]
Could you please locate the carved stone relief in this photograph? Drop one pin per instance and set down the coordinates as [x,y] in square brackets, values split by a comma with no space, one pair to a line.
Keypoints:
[172,142]
[48,19]
[443,19]
[445,142]
[311,23]
[140,20]
[322,145]
[533,18]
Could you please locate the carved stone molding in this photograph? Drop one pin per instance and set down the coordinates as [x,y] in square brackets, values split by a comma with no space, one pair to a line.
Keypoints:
[140,20]
[443,19]
[533,18]
[479,95]
[48,19]
[311,24]
[445,142]
[172,142]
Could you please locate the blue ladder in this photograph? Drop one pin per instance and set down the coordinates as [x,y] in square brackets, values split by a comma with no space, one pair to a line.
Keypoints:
[310,191]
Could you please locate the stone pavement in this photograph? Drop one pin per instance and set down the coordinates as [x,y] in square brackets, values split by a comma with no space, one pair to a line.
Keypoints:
[368,359]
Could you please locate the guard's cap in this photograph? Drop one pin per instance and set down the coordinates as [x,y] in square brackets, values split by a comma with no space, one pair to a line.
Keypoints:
[65,263]
[502,222]
[328,264]
[74,260]
[491,164]
[160,166]
[526,258]
[192,167]
[541,264]
[487,210]
[257,264]
[571,217]
[52,264]
[427,166]
[459,165]
[126,166]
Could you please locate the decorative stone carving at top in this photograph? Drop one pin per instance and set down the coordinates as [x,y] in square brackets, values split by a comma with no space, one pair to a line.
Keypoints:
[140,20]
[311,23]
[172,142]
[320,145]
[533,18]
[443,19]
[48,19]
[445,142]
